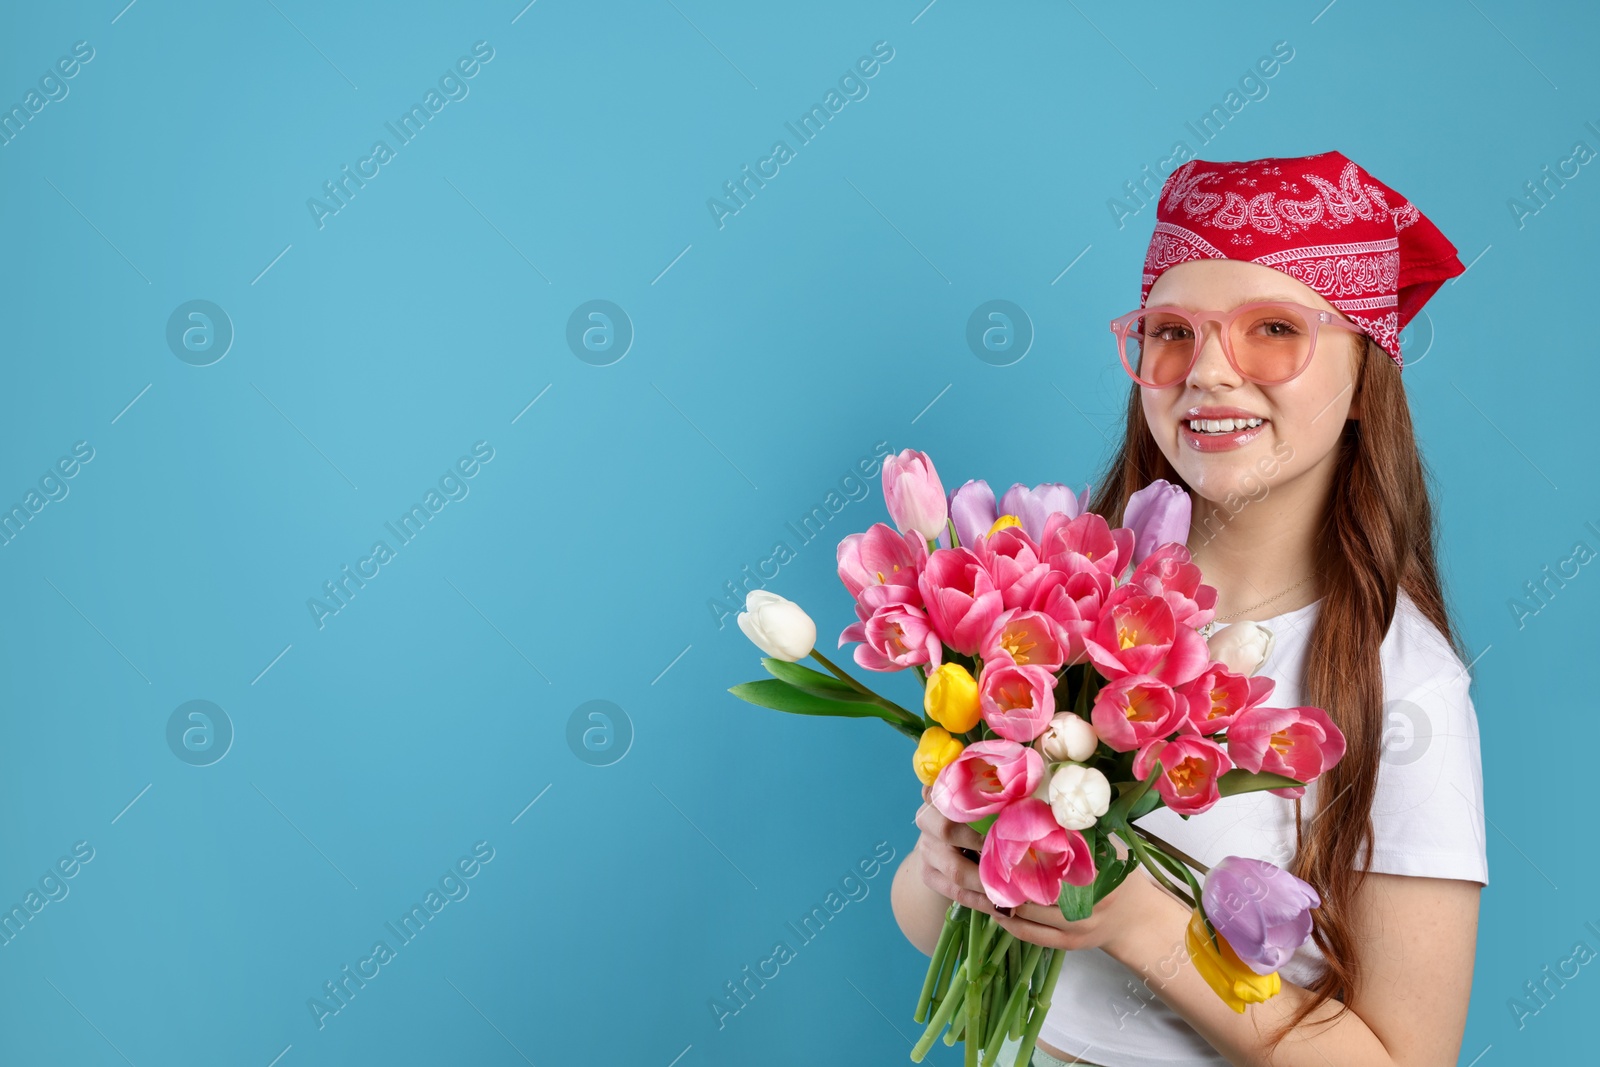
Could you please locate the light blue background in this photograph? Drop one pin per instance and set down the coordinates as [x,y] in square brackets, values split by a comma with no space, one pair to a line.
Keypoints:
[770,356]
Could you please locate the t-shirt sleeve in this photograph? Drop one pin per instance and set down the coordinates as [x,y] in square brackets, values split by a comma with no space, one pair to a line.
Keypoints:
[1427,812]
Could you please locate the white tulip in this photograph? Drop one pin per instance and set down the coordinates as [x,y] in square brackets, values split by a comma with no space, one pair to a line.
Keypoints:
[1068,737]
[777,626]
[1242,647]
[1078,795]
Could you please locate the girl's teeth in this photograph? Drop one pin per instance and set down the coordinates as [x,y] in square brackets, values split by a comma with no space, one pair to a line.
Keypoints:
[1222,425]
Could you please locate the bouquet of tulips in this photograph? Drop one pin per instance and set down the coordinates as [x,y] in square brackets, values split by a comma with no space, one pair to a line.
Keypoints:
[1067,689]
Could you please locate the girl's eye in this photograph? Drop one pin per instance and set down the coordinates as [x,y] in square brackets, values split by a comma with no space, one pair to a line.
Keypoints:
[1278,328]
[1167,332]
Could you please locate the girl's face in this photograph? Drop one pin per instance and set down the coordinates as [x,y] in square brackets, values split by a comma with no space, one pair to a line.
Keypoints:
[1302,419]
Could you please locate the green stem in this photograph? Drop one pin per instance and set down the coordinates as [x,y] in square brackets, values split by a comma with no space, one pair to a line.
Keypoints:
[974,999]
[952,962]
[994,955]
[980,1036]
[1132,839]
[941,1018]
[883,702]
[1169,850]
[1013,1005]
[935,966]
[1041,1008]
[1176,867]
[1013,964]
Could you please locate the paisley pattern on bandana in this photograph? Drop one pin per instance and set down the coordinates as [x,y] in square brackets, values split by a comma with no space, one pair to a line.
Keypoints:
[1320,219]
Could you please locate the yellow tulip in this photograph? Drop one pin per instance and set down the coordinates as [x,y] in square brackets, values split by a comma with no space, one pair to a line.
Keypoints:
[1229,976]
[1003,521]
[936,749]
[951,699]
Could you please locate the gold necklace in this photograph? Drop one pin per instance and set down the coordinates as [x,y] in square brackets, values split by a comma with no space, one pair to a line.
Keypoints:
[1264,603]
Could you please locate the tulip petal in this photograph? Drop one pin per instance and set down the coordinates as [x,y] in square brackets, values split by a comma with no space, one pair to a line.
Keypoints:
[972,510]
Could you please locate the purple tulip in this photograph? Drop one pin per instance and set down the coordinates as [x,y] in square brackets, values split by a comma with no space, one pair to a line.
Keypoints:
[1156,514]
[972,511]
[1033,506]
[1261,909]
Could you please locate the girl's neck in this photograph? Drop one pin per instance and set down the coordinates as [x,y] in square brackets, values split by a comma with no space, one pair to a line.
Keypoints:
[1255,554]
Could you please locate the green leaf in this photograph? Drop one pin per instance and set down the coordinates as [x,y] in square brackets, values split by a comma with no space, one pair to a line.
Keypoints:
[982,825]
[814,682]
[1077,901]
[1111,870]
[1240,780]
[1145,805]
[1124,803]
[1112,876]
[781,696]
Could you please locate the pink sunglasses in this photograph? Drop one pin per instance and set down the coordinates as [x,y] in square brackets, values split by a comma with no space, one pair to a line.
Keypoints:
[1267,342]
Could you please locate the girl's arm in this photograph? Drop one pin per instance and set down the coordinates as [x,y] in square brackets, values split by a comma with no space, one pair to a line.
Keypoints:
[919,910]
[1416,939]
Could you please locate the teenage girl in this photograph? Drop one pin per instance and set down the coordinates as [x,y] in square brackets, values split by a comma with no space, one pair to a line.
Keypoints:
[1288,426]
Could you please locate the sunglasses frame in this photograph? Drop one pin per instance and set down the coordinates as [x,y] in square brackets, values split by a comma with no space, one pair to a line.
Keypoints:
[1122,325]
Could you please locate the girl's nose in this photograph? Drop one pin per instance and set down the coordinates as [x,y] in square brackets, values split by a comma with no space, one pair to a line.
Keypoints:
[1211,368]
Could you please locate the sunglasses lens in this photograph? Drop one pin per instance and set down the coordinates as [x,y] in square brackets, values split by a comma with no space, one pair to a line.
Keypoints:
[1271,343]
[1160,347]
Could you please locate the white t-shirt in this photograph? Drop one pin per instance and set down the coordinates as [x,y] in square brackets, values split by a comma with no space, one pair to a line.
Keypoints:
[1427,818]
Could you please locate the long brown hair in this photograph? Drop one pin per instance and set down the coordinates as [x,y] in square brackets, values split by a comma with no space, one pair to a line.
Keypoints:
[1378,538]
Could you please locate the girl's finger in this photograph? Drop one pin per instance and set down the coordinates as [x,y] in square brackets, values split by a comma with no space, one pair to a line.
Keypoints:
[972,898]
[951,864]
[956,834]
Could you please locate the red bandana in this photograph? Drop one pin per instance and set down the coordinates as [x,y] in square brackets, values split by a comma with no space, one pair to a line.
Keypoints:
[1322,220]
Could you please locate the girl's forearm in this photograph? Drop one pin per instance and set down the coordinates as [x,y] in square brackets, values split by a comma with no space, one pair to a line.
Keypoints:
[1154,951]
[918,909]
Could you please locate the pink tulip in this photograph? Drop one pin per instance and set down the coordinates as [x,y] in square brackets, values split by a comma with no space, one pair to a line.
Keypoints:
[1014,562]
[1027,856]
[960,598]
[1073,600]
[1016,702]
[1299,743]
[914,494]
[1132,710]
[874,598]
[1084,543]
[984,778]
[881,557]
[1139,634]
[1168,573]
[1213,700]
[893,638]
[1190,767]
[1025,638]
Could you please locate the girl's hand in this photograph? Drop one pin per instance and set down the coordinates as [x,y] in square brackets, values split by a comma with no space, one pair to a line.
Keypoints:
[952,874]
[946,869]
